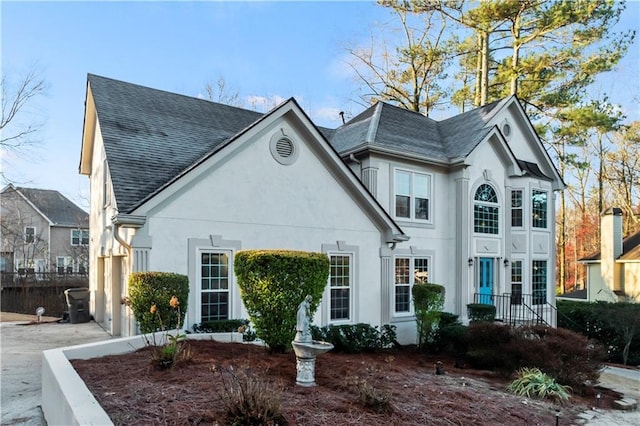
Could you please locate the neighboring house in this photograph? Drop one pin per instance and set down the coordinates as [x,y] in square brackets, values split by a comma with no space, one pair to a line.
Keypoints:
[42,231]
[613,273]
[180,184]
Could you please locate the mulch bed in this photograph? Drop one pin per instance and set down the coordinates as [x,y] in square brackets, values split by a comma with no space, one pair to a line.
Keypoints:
[133,392]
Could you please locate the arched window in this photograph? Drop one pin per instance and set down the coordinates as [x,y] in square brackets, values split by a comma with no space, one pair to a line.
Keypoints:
[486,210]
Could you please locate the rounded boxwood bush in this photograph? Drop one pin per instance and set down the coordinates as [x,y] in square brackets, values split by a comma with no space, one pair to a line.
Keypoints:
[156,288]
[272,285]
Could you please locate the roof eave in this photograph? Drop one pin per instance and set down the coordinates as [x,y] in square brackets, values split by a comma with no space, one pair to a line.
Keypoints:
[88,133]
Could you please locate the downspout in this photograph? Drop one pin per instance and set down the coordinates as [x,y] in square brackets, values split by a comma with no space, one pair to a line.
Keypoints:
[354,159]
[126,221]
[118,237]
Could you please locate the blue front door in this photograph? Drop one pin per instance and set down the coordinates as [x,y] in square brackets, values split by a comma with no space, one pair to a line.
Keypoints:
[485,280]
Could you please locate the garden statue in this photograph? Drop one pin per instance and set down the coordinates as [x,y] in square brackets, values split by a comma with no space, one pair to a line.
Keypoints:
[303,326]
[305,347]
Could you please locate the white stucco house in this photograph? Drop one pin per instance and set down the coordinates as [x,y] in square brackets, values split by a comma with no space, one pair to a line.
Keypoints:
[179,184]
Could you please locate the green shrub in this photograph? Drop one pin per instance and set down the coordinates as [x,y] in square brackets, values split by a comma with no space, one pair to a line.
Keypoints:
[428,300]
[147,289]
[568,357]
[480,312]
[272,285]
[356,338]
[221,326]
[615,325]
[451,336]
[532,382]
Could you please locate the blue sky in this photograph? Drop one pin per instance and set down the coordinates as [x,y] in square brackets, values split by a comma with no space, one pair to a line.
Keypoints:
[265,50]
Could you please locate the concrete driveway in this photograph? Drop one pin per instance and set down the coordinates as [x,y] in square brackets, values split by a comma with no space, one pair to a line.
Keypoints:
[22,342]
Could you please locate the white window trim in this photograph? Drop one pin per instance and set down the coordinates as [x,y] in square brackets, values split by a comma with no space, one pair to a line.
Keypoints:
[522,208]
[410,253]
[195,247]
[523,271]
[341,248]
[81,231]
[230,285]
[348,320]
[66,262]
[531,278]
[431,197]
[547,217]
[502,215]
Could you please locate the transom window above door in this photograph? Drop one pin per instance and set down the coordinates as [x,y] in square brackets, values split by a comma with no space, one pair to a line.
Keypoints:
[412,195]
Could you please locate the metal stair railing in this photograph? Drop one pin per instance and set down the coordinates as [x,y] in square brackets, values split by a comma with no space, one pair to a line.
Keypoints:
[517,308]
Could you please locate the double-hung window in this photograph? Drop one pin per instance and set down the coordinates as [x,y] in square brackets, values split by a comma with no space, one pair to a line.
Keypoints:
[516,208]
[516,282]
[340,279]
[408,271]
[79,237]
[215,279]
[64,264]
[412,195]
[539,209]
[539,282]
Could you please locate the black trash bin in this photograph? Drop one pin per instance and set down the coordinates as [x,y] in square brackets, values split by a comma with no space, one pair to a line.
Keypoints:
[78,304]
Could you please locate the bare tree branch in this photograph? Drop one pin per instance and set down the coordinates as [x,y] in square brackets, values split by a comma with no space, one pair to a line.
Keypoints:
[13,108]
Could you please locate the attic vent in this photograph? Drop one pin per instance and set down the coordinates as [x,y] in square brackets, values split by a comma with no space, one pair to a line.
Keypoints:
[283,149]
[506,129]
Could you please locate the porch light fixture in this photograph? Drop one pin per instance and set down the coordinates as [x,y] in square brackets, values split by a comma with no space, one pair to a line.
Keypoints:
[506,262]
[471,261]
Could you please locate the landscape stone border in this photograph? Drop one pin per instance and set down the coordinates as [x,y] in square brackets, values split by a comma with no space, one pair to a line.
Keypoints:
[66,400]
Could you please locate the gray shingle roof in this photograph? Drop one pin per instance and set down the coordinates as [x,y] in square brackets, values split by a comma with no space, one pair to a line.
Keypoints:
[630,249]
[56,207]
[391,127]
[150,135]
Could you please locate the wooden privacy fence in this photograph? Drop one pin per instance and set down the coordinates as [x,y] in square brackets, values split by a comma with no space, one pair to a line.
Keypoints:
[25,293]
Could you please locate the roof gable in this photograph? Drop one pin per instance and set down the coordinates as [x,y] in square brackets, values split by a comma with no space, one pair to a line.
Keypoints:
[150,135]
[155,142]
[53,206]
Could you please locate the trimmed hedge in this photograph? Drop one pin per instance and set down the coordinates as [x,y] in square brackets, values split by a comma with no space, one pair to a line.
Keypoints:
[272,285]
[220,326]
[480,312]
[356,338]
[615,325]
[156,288]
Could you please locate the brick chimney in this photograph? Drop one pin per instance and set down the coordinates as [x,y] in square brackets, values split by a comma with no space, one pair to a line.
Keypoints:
[611,247]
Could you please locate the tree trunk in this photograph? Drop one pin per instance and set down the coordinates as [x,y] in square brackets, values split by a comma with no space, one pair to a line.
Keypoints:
[515,32]
[476,100]
[484,56]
